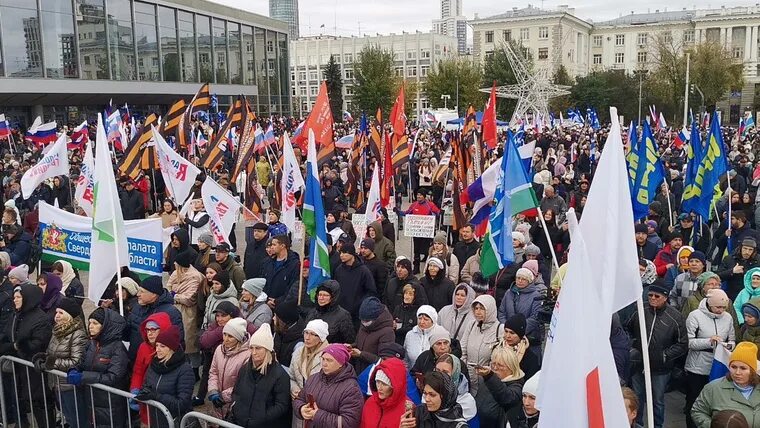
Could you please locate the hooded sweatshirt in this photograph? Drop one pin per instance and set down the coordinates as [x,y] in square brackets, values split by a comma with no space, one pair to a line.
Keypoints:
[453,318]
[417,340]
[184,245]
[480,337]
[747,294]
[384,248]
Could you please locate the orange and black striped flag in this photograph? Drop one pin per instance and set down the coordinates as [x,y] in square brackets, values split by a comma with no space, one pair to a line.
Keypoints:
[245,146]
[220,144]
[460,219]
[184,132]
[132,163]
[375,138]
[470,121]
[172,118]
[239,110]
[202,99]
[253,191]
[399,139]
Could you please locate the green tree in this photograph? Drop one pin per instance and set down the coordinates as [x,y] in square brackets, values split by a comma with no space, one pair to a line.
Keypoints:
[715,71]
[443,81]
[561,77]
[171,67]
[334,88]
[375,85]
[497,68]
[602,89]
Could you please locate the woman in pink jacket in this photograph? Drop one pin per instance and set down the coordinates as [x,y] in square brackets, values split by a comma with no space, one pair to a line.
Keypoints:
[229,357]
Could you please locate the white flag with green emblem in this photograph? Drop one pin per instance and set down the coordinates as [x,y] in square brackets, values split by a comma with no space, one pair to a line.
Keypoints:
[108,246]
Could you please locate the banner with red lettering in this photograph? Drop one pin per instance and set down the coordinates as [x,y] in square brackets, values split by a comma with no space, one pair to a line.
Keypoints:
[179,173]
[54,162]
[222,209]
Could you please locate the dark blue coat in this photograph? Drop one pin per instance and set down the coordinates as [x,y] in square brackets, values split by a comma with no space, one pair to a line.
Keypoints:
[280,276]
[139,313]
[173,384]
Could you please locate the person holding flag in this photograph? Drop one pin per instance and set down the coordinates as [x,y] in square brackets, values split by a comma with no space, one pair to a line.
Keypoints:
[314,224]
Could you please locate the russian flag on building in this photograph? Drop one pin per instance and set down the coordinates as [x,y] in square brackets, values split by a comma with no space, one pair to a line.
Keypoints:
[5,130]
[42,135]
[681,138]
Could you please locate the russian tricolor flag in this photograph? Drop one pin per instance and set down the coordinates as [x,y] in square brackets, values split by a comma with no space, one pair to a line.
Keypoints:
[5,130]
[481,194]
[43,134]
[79,136]
[681,138]
[345,142]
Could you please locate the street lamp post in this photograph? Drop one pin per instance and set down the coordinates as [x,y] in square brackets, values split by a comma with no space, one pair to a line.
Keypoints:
[445,98]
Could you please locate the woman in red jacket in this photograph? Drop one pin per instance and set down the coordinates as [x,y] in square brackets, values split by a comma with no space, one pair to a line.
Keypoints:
[150,328]
[388,402]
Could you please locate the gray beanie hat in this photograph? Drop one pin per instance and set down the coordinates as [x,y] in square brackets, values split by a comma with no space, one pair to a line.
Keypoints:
[254,286]
[207,239]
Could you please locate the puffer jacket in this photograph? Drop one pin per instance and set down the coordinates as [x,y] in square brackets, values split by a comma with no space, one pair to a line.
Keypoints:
[29,331]
[285,342]
[480,338]
[470,266]
[700,326]
[524,301]
[337,318]
[185,288]
[417,341]
[384,249]
[213,300]
[222,376]
[65,351]
[451,318]
[370,338]
[668,340]
[262,400]
[750,333]
[173,383]
[145,354]
[386,413]
[438,289]
[139,313]
[692,304]
[258,312]
[721,394]
[301,369]
[337,396]
[393,296]
[747,294]
[106,362]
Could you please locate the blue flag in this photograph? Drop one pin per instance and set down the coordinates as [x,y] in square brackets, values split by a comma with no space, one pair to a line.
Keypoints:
[712,165]
[690,199]
[632,158]
[650,173]
[314,222]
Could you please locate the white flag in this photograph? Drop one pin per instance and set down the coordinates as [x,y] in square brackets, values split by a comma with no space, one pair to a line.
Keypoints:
[292,182]
[108,245]
[607,226]
[86,182]
[222,209]
[579,386]
[54,162]
[372,212]
[179,173]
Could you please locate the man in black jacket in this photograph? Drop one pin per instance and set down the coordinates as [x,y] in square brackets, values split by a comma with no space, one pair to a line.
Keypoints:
[152,298]
[280,270]
[378,269]
[256,252]
[667,342]
[467,245]
[355,279]
[735,265]
[132,207]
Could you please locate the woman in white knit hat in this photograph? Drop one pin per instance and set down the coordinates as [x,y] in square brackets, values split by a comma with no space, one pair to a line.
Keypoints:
[307,358]
[228,359]
[262,392]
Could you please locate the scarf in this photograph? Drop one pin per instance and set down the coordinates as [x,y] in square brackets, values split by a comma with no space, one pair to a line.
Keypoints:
[66,328]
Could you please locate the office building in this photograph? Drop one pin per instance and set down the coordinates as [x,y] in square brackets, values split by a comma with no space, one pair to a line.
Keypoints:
[286,10]
[65,60]
[452,23]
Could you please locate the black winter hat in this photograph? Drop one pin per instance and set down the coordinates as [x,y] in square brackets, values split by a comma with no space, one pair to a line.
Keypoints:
[227,308]
[517,323]
[98,315]
[287,312]
[153,284]
[71,307]
[641,228]
[370,309]
[185,259]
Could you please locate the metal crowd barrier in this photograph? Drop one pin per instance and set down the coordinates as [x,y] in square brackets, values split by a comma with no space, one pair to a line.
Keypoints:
[193,419]
[51,401]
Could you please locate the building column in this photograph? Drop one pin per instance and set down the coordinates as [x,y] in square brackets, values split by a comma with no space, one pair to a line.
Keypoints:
[753,43]
[723,36]
[747,42]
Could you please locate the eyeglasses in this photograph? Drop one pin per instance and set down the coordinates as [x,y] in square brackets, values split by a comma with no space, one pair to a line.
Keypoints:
[655,295]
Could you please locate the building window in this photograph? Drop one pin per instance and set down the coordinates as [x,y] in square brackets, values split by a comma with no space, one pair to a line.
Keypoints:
[302,75]
[349,74]
[399,71]
[396,56]
[597,59]
[155,62]
[348,58]
[489,36]
[642,38]
[313,75]
[543,33]
[619,58]
[738,52]
[324,58]
[411,55]
[667,36]
[293,77]
[543,53]
[425,54]
[313,90]
[87,60]
[424,70]
[489,55]
[412,71]
[524,33]
[507,35]
[349,90]
[597,41]
[425,103]
[619,39]
[641,57]
[336,57]
[688,36]
[302,91]
[270,46]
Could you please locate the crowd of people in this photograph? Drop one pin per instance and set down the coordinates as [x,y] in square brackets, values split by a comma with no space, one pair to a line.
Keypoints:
[394,338]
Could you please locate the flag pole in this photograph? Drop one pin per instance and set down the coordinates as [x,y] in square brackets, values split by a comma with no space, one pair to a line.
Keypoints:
[670,207]
[300,274]
[647,367]
[546,232]
[728,217]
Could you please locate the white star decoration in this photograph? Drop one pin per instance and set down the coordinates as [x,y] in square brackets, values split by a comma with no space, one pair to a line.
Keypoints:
[533,89]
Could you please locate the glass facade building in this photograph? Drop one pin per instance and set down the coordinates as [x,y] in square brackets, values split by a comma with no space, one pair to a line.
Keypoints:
[286,10]
[173,44]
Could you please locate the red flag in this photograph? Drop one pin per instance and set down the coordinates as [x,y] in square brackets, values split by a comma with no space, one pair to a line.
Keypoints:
[387,185]
[489,120]
[320,121]
[399,140]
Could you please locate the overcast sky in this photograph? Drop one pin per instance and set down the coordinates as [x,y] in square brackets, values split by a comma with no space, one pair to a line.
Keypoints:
[386,16]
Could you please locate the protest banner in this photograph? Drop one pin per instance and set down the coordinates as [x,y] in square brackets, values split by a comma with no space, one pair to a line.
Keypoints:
[67,236]
[419,226]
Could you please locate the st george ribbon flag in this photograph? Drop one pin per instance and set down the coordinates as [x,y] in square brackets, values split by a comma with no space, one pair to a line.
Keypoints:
[108,246]
[222,209]
[178,173]
[86,182]
[54,162]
